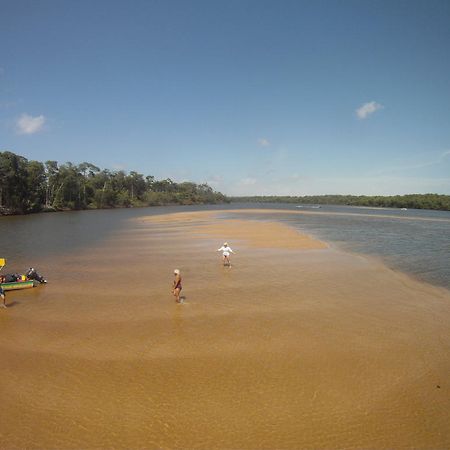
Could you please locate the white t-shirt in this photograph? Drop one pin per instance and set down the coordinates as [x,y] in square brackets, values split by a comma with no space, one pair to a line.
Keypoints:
[225,250]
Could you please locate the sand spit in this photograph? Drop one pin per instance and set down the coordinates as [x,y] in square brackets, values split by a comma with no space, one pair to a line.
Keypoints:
[253,233]
[295,347]
[333,213]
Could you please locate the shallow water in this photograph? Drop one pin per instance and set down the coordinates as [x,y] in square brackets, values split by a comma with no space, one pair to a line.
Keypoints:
[287,349]
[414,241]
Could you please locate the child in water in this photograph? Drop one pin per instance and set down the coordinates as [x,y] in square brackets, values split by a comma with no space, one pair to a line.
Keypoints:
[177,286]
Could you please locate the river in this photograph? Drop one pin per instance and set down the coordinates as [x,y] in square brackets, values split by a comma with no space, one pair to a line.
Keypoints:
[416,242]
[315,345]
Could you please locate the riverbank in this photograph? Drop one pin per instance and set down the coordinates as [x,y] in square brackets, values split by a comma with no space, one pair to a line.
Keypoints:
[154,203]
[298,345]
[439,202]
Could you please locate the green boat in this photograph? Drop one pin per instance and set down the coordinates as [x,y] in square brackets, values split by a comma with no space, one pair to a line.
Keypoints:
[29,280]
[19,285]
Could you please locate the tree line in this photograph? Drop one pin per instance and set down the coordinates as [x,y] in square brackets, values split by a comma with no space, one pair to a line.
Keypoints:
[32,186]
[411,201]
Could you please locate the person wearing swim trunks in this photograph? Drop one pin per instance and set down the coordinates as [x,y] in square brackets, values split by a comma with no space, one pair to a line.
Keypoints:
[177,285]
[3,296]
[226,251]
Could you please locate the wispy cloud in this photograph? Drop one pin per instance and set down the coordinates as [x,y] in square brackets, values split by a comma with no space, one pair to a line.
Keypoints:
[248,181]
[119,166]
[263,142]
[375,185]
[214,180]
[7,104]
[368,109]
[27,124]
[406,165]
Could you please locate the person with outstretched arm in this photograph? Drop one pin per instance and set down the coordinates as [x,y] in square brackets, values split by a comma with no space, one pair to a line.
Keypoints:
[226,251]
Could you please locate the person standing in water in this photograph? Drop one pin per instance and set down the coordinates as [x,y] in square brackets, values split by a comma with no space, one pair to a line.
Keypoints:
[2,293]
[176,291]
[226,251]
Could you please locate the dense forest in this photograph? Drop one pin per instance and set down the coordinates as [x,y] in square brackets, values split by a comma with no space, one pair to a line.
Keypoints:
[417,201]
[32,186]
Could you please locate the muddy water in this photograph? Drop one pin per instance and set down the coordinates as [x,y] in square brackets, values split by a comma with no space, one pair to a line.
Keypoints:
[293,347]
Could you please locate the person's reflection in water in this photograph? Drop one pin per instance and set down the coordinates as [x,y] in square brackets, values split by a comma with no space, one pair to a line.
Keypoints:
[179,327]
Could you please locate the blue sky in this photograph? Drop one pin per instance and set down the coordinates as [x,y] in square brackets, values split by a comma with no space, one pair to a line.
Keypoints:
[253,97]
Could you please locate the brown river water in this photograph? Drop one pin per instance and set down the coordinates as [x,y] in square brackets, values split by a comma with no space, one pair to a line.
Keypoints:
[297,345]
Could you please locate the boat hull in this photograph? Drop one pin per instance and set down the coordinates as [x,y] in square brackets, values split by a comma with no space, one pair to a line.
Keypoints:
[19,285]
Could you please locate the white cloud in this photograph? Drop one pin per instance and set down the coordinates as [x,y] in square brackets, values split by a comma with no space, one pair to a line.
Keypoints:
[263,142]
[27,124]
[367,109]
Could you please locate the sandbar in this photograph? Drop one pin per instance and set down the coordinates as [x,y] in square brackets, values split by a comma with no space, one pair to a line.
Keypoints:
[297,345]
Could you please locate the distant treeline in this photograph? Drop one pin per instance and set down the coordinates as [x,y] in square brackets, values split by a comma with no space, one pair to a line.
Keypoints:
[417,201]
[32,186]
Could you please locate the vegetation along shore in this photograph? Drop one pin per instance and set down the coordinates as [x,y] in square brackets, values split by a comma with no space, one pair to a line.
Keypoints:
[32,186]
[413,201]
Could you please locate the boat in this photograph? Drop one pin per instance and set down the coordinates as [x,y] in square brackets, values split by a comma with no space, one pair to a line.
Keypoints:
[15,285]
[29,280]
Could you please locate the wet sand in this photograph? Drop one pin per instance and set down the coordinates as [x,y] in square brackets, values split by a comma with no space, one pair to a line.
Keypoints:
[298,345]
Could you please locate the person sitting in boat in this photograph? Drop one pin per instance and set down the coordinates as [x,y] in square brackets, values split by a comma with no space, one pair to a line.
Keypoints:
[31,274]
[11,278]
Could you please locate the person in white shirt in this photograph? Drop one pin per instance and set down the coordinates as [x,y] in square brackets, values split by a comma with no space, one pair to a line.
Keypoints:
[226,251]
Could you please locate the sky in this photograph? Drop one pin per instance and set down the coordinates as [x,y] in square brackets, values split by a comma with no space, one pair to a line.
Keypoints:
[254,97]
